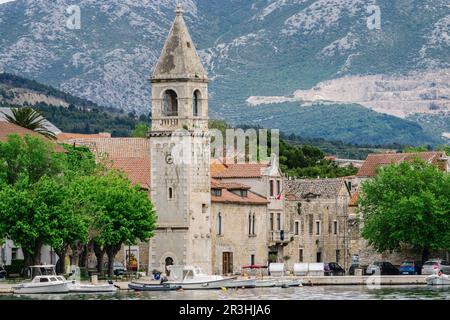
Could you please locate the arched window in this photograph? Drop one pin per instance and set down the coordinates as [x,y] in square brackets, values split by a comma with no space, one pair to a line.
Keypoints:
[170,104]
[195,103]
[170,193]
[250,223]
[219,221]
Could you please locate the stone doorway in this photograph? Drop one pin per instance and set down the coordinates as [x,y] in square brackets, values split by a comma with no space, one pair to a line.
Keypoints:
[227,263]
[168,262]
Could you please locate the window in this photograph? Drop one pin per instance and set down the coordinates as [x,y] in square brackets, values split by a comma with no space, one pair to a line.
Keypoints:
[170,193]
[195,103]
[219,224]
[271,188]
[253,225]
[278,187]
[250,224]
[302,226]
[299,208]
[271,221]
[170,104]
[349,183]
[243,193]
[278,221]
[252,260]
[318,228]
[216,192]
[335,227]
[297,228]
[204,207]
[338,255]
[300,255]
[319,257]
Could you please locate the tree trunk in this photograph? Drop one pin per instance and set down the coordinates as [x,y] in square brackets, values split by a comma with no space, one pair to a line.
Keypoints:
[425,254]
[99,254]
[37,253]
[111,252]
[61,264]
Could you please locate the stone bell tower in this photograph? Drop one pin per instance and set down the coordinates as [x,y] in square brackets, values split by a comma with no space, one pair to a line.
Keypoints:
[180,155]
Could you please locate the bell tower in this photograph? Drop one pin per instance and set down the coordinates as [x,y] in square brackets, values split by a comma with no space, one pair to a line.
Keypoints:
[180,155]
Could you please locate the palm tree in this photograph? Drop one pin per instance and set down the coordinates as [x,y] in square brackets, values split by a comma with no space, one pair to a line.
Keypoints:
[30,119]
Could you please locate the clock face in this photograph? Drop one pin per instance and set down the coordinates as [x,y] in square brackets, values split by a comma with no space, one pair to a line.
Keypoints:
[169,158]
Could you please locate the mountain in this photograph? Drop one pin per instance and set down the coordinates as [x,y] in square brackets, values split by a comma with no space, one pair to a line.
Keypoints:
[252,50]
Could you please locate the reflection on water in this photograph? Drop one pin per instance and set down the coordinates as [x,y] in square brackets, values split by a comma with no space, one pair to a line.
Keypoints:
[301,293]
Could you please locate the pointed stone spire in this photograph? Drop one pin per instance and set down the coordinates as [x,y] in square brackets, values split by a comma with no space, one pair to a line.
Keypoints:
[179,58]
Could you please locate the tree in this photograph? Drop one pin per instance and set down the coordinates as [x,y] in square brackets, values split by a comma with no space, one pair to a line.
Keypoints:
[124,214]
[140,131]
[29,158]
[407,204]
[30,119]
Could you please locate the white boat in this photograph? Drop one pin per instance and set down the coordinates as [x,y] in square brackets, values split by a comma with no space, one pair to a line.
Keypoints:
[285,283]
[243,283]
[45,281]
[193,278]
[265,283]
[76,286]
[435,280]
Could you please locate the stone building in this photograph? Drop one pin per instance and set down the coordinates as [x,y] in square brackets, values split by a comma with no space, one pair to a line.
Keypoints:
[317,210]
[239,227]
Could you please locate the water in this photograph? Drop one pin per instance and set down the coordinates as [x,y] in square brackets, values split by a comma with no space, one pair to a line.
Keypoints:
[299,293]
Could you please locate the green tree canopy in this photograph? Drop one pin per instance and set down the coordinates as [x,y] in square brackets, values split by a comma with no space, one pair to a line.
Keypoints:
[141,130]
[407,204]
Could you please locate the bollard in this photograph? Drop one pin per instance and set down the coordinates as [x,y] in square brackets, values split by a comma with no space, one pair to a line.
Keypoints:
[94,279]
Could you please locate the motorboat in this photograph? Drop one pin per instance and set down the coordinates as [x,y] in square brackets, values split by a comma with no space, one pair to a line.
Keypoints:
[286,283]
[76,286]
[266,283]
[435,280]
[44,281]
[193,278]
[153,287]
[243,283]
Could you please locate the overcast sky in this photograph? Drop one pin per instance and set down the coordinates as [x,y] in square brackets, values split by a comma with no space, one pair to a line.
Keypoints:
[4,1]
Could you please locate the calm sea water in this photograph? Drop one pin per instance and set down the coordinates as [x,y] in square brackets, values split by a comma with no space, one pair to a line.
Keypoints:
[299,293]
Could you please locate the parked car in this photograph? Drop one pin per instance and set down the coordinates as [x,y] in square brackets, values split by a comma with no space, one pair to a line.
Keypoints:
[411,267]
[118,268]
[433,266]
[382,268]
[333,269]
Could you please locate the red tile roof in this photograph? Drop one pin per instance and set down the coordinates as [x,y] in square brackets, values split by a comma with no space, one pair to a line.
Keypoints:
[244,170]
[63,136]
[375,161]
[136,169]
[7,128]
[230,197]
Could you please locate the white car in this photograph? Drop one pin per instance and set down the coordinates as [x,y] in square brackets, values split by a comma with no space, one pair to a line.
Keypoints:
[433,266]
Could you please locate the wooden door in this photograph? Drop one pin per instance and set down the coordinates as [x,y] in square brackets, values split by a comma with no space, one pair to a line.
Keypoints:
[227,263]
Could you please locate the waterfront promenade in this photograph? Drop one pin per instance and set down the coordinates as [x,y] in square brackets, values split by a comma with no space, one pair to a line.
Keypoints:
[6,288]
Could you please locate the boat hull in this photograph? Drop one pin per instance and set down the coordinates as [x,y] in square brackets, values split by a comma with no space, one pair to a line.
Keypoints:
[204,285]
[435,280]
[267,283]
[153,287]
[245,283]
[91,288]
[37,288]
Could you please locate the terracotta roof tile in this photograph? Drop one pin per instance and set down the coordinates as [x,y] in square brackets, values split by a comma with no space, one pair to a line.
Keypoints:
[245,170]
[64,136]
[230,197]
[7,128]
[375,161]
[136,169]
[324,188]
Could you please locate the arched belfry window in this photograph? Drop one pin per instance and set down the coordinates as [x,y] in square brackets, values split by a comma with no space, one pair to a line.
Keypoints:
[170,103]
[196,103]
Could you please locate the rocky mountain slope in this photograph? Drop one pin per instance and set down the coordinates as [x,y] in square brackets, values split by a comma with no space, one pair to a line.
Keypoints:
[250,48]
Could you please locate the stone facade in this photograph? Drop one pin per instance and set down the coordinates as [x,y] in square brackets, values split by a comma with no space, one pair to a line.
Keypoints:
[236,239]
[318,215]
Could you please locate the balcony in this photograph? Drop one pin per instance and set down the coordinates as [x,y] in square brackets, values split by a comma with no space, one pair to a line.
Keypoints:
[279,237]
